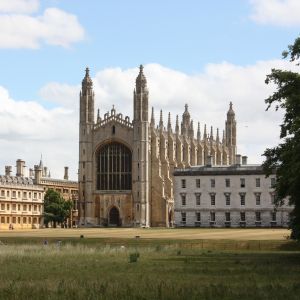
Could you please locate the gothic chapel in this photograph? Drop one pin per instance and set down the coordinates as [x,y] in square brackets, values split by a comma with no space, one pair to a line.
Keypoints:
[126,167]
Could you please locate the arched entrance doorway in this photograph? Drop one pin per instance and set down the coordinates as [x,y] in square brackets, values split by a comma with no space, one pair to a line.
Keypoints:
[114,217]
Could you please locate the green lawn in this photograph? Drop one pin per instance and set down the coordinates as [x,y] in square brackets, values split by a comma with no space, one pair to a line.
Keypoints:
[166,269]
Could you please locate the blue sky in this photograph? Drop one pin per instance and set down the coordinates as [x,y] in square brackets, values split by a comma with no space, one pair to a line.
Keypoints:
[213,39]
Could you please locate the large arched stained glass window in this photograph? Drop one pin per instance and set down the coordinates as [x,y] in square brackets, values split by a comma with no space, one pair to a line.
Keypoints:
[114,167]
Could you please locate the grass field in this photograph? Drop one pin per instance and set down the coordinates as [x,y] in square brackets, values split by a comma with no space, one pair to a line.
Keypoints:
[157,233]
[243,264]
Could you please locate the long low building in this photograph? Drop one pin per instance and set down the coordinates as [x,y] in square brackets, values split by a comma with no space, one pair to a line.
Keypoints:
[21,202]
[227,196]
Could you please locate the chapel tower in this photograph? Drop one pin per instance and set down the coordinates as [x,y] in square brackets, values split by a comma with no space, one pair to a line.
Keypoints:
[86,123]
[140,171]
[230,134]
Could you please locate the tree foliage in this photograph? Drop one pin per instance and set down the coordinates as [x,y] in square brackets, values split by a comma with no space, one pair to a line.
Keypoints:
[285,157]
[56,209]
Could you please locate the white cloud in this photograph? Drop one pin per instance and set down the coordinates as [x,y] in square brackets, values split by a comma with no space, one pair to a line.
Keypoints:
[29,129]
[53,27]
[19,6]
[276,12]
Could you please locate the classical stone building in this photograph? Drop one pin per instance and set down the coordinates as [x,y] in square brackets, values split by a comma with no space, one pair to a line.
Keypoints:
[126,167]
[239,195]
[21,200]
[67,188]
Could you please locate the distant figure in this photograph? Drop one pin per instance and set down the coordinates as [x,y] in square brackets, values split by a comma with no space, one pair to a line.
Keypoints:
[45,243]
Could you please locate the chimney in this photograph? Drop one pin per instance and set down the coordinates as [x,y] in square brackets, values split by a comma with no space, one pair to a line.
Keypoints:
[37,174]
[66,176]
[244,160]
[20,167]
[238,159]
[209,161]
[8,170]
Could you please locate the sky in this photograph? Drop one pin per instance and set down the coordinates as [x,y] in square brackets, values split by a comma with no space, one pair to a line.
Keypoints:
[203,53]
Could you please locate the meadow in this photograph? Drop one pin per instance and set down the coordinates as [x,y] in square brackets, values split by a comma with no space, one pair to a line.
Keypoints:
[74,267]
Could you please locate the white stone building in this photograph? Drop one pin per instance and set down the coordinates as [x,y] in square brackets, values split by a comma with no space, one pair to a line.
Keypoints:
[21,201]
[227,196]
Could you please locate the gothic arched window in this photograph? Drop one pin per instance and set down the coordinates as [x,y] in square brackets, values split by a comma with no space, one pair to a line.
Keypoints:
[113,167]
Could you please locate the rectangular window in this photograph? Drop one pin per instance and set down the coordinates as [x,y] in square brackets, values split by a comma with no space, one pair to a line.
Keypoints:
[198,183]
[227,216]
[273,216]
[273,182]
[14,194]
[213,199]
[2,193]
[257,198]
[257,216]
[243,197]
[183,199]
[212,216]
[14,207]
[24,195]
[212,183]
[183,183]
[198,216]
[257,182]
[24,207]
[7,206]
[7,194]
[19,194]
[183,217]
[227,182]
[34,195]
[198,196]
[227,199]
[243,216]
[243,182]
[273,198]
[2,206]
[19,207]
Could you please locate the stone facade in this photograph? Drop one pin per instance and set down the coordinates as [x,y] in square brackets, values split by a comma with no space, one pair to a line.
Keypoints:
[21,201]
[67,188]
[126,167]
[227,196]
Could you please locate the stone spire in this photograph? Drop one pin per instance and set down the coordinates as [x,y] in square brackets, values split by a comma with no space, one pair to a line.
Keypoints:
[140,96]
[186,120]
[161,122]
[87,82]
[152,117]
[230,112]
[211,133]
[98,115]
[141,81]
[223,138]
[177,124]
[169,123]
[198,132]
[218,138]
[204,134]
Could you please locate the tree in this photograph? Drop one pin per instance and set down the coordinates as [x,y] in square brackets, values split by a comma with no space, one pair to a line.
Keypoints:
[285,158]
[56,209]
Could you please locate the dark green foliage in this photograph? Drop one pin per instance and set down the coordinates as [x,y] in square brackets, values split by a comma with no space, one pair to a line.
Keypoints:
[285,158]
[56,209]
